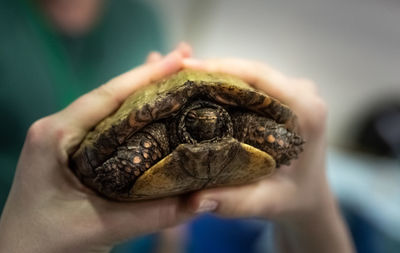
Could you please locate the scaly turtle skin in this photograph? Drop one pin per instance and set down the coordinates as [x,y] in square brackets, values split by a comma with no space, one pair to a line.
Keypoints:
[191,131]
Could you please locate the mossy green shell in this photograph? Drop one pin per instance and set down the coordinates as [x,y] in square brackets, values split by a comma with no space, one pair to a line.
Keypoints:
[163,99]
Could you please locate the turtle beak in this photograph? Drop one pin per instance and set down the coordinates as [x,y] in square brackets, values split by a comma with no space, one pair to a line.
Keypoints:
[206,160]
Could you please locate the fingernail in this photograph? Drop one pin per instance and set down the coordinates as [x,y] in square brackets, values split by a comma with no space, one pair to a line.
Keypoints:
[207,205]
[190,62]
[185,49]
[182,44]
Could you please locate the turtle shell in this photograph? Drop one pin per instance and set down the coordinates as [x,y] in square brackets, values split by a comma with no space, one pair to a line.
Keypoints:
[146,149]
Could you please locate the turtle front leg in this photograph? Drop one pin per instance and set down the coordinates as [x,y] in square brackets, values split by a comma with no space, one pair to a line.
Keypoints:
[267,135]
[142,150]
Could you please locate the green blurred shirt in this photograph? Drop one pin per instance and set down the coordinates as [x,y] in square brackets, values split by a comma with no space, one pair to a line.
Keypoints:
[42,71]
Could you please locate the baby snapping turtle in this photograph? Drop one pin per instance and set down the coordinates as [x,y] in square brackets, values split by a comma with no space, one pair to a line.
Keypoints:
[191,131]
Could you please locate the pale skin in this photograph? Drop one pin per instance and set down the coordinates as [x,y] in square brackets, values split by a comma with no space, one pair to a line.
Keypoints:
[297,198]
[49,210]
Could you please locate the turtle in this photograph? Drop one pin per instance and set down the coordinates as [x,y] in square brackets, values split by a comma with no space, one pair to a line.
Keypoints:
[189,131]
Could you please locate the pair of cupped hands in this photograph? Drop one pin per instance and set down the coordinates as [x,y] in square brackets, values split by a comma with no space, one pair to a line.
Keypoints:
[49,210]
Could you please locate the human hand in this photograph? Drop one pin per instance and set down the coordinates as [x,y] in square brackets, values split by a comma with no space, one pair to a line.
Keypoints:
[298,196]
[49,210]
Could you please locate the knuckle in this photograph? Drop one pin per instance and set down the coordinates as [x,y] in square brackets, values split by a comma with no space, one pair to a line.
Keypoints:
[47,132]
[317,115]
[103,91]
[38,130]
[107,92]
[264,72]
[321,106]
[259,66]
[319,109]
[307,84]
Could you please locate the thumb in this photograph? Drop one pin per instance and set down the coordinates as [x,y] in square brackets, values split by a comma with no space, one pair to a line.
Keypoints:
[238,201]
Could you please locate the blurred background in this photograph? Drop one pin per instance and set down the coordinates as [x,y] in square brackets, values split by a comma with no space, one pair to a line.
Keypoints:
[52,51]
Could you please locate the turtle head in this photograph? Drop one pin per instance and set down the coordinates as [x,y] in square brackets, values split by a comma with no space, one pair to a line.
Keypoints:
[204,121]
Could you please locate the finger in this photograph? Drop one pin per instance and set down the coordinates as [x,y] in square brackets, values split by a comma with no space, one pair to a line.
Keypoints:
[185,49]
[126,220]
[257,199]
[229,202]
[92,107]
[108,97]
[154,57]
[299,94]
[257,74]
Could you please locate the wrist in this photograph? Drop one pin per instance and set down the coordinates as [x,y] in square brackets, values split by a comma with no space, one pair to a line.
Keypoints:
[319,230]
[320,204]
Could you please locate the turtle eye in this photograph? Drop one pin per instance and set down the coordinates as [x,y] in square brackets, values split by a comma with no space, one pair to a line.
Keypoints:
[191,116]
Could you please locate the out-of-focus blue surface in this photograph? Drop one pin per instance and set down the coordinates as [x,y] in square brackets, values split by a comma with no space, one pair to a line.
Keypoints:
[368,188]
[212,234]
[144,244]
[368,185]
